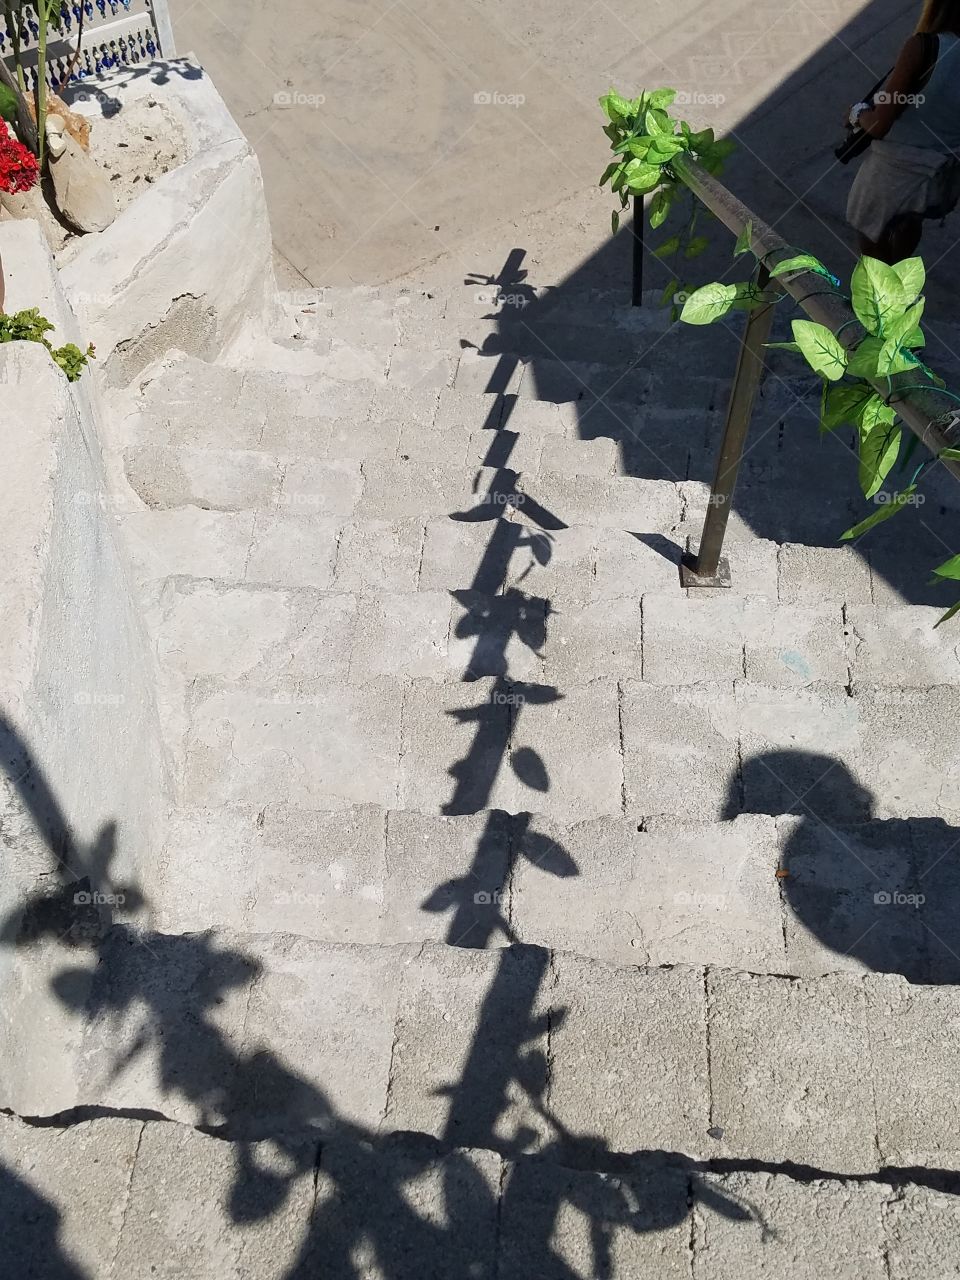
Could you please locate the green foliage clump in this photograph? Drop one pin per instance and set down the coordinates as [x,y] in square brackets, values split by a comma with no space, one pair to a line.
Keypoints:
[646,141]
[31,326]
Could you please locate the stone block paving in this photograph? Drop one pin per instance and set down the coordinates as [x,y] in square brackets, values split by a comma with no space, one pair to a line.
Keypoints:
[846,1073]
[519,913]
[726,1112]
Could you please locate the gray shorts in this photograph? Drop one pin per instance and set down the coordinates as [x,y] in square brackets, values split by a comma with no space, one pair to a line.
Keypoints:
[894,179]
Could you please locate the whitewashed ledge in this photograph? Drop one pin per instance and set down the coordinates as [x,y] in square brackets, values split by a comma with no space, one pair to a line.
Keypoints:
[188,265]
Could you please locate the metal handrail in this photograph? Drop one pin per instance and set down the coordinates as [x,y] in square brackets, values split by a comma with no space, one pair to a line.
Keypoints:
[925,409]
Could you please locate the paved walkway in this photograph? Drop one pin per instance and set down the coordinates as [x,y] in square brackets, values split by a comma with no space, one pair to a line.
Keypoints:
[518,913]
[401,171]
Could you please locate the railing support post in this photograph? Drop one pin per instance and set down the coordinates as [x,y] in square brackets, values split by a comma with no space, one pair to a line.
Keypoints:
[637,236]
[708,568]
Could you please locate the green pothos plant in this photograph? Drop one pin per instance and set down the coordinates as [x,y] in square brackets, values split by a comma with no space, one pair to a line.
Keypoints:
[887,301]
[646,141]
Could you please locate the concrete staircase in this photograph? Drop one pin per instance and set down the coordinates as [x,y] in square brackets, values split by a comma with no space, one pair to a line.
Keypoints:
[519,914]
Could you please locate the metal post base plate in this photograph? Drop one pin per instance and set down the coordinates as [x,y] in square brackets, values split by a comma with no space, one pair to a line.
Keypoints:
[690,578]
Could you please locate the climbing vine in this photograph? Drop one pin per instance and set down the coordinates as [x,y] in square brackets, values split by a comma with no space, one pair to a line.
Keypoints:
[887,301]
[646,139]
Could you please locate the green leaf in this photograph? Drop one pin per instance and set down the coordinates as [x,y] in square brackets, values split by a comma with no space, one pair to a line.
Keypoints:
[700,141]
[864,362]
[615,220]
[725,147]
[668,293]
[616,108]
[696,247]
[895,358]
[662,98]
[881,514]
[954,608]
[637,146]
[658,124]
[642,177]
[879,451]
[911,274]
[802,262]
[877,294]
[667,248]
[708,303]
[874,412]
[903,325]
[744,240]
[664,149]
[608,173]
[949,569]
[782,346]
[843,403]
[619,178]
[660,206]
[952,454]
[8,104]
[823,352]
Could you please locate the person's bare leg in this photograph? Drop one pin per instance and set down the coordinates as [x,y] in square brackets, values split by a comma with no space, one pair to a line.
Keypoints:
[869,248]
[899,240]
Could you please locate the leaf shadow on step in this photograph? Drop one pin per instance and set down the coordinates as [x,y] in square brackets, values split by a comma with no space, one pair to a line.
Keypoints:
[418,1204]
[860,892]
[31,1226]
[357,1200]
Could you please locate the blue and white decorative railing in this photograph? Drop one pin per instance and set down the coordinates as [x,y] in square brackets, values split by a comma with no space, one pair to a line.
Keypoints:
[115,33]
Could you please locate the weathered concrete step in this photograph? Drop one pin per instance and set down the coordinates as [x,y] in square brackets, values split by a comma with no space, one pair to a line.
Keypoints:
[381,542]
[523,1049]
[387,314]
[339,421]
[566,381]
[705,750]
[334,698]
[258,403]
[774,895]
[456,433]
[284,638]
[169,1200]
[165,476]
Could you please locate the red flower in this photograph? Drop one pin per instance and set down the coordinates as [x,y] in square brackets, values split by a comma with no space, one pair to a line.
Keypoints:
[19,169]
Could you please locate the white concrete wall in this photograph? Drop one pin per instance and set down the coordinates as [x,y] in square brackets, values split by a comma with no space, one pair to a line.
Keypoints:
[76,689]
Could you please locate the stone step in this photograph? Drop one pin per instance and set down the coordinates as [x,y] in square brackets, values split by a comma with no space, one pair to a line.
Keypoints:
[769,894]
[381,542]
[304,629]
[386,314]
[345,348]
[562,323]
[170,1200]
[449,429]
[604,604]
[408,387]
[522,1049]
[167,476]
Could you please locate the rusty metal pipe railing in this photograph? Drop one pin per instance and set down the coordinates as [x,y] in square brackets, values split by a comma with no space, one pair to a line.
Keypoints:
[924,409]
[636,238]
